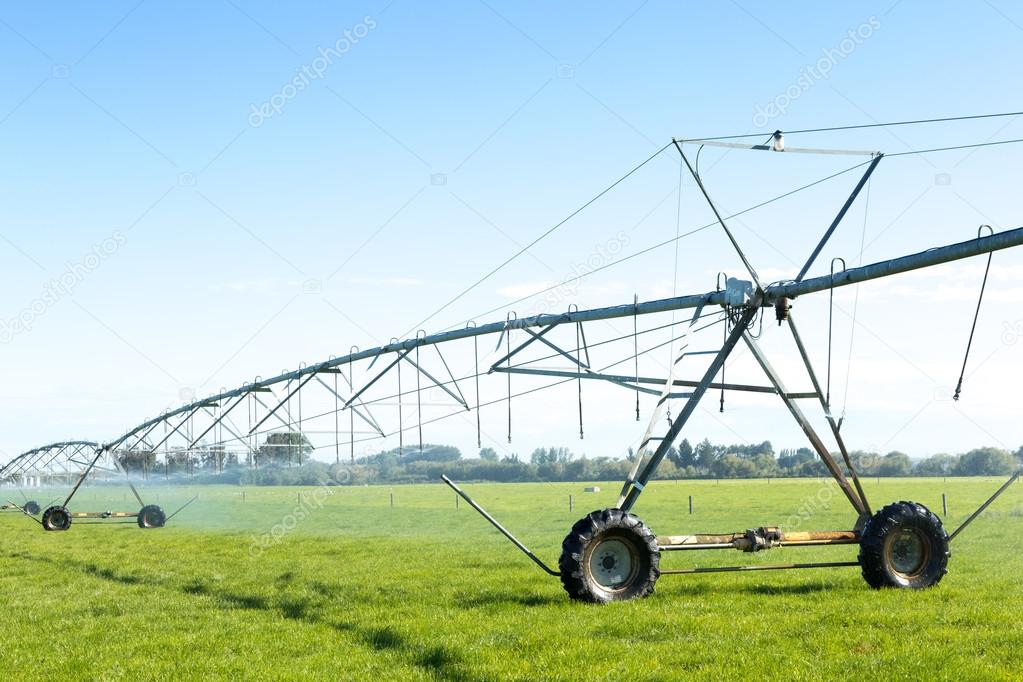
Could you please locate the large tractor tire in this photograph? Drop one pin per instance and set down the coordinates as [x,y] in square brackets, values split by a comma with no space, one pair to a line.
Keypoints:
[904,545]
[31,508]
[56,518]
[608,556]
[151,516]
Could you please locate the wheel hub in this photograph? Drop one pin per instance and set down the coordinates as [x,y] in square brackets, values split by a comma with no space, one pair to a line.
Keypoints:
[907,552]
[611,564]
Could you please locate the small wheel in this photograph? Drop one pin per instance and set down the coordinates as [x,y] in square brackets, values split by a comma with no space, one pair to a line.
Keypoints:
[31,508]
[56,518]
[609,555]
[904,545]
[151,516]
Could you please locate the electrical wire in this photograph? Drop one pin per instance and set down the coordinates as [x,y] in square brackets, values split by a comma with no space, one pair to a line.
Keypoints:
[739,213]
[863,125]
[533,243]
[961,146]
[667,242]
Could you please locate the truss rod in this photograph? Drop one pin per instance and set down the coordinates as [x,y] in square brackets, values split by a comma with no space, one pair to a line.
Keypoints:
[636,483]
[773,292]
[622,379]
[838,218]
[835,427]
[815,440]
[368,419]
[218,420]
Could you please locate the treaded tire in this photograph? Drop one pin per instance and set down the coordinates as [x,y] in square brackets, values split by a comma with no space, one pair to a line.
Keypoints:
[151,516]
[609,555]
[31,508]
[56,518]
[905,546]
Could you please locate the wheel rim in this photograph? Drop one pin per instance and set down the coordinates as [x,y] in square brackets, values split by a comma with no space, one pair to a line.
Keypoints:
[908,552]
[612,564]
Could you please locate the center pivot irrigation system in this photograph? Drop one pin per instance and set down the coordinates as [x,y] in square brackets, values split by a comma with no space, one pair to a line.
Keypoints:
[72,462]
[610,554]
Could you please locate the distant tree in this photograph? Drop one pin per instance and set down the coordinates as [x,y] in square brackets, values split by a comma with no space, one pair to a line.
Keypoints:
[936,465]
[765,465]
[705,454]
[733,466]
[985,462]
[792,461]
[551,455]
[137,461]
[866,463]
[687,456]
[895,464]
[285,447]
[432,453]
[488,455]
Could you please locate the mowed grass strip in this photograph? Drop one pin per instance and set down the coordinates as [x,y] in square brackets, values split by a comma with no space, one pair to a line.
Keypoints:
[306,584]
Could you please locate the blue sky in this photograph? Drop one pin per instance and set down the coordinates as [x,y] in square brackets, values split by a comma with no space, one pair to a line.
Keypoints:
[435,142]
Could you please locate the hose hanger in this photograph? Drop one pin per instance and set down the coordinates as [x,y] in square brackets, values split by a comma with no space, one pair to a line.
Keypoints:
[579,358]
[976,314]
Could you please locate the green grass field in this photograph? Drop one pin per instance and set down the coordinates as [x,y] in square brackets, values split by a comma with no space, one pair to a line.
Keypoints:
[357,590]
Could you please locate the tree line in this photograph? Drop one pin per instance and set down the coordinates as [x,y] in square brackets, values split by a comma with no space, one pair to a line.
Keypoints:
[285,459]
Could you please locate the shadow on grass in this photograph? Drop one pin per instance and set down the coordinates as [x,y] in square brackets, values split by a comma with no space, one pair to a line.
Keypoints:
[490,599]
[678,587]
[440,661]
[798,589]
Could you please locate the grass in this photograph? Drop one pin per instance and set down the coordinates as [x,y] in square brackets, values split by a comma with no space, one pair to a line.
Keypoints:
[358,590]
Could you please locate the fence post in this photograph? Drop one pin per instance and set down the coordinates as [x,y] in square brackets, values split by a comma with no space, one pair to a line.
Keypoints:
[571,503]
[690,504]
[944,505]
